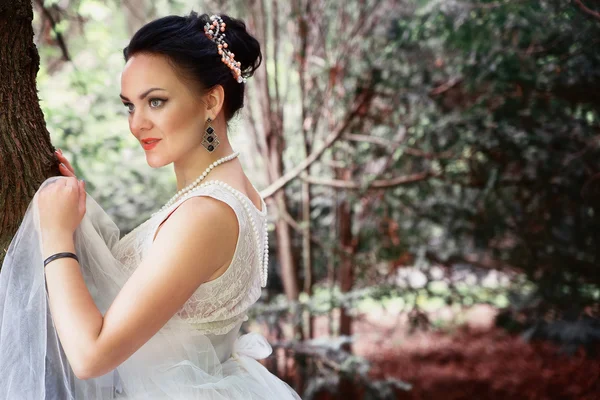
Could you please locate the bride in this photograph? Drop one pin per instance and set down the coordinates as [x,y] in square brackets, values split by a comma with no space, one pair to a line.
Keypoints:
[156,314]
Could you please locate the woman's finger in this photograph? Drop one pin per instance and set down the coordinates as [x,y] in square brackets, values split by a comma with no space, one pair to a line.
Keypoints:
[82,195]
[64,160]
[65,171]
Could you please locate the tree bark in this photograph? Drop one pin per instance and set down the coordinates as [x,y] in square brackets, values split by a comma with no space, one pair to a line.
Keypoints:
[271,124]
[346,277]
[26,153]
[136,14]
[302,15]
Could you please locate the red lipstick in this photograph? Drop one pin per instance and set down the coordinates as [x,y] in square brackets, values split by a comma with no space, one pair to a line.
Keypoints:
[149,143]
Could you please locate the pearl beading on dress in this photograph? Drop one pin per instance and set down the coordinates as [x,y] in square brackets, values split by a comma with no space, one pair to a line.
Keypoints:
[194,184]
[262,261]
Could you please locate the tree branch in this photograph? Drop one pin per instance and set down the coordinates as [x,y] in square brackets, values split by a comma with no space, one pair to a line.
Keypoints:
[587,10]
[377,184]
[59,38]
[446,86]
[391,144]
[364,97]
[370,139]
[314,239]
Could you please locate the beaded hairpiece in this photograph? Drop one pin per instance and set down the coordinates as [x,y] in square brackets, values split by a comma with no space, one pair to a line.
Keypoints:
[215,31]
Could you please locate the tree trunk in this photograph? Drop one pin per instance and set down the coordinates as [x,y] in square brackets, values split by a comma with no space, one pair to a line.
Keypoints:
[302,16]
[270,118]
[136,14]
[346,277]
[26,154]
[307,253]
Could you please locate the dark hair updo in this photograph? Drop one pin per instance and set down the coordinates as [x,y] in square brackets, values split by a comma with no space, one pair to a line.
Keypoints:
[194,56]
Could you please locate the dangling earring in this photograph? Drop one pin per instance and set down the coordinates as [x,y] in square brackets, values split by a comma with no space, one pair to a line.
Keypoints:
[210,142]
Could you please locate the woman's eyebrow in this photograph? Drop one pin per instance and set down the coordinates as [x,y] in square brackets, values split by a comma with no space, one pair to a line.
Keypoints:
[143,95]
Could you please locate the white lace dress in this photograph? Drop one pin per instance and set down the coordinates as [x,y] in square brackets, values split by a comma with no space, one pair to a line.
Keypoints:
[214,363]
[196,355]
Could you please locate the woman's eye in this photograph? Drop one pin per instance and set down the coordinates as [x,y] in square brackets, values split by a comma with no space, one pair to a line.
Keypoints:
[129,106]
[155,103]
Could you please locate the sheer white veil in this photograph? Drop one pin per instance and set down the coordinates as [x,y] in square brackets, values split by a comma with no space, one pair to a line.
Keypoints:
[32,362]
[177,363]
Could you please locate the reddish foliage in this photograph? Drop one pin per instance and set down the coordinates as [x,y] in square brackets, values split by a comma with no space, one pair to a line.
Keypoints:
[487,364]
[476,361]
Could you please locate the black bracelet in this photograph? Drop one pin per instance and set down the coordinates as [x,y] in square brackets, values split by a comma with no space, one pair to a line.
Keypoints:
[60,255]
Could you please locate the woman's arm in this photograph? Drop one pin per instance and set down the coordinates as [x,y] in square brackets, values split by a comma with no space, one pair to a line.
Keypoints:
[194,245]
[75,315]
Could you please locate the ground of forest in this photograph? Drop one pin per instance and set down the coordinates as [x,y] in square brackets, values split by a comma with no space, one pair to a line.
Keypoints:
[474,360]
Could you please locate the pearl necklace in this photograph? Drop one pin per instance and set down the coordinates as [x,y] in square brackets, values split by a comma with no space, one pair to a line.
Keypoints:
[193,185]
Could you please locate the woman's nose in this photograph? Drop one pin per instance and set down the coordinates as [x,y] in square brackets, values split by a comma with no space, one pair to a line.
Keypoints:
[139,123]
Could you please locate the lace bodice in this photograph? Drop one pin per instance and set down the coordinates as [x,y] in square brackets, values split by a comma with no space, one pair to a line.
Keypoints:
[219,305]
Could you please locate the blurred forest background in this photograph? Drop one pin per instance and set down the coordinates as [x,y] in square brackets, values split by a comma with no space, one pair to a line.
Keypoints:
[432,171]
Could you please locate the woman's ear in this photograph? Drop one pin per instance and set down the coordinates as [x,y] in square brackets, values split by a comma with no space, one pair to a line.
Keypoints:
[214,100]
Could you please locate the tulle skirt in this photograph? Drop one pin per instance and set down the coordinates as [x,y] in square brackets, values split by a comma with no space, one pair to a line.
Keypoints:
[178,363]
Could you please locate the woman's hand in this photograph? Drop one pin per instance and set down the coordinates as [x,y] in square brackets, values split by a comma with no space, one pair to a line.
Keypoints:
[65,167]
[61,207]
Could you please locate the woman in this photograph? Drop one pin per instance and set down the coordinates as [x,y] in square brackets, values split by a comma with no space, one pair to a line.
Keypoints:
[155,315]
